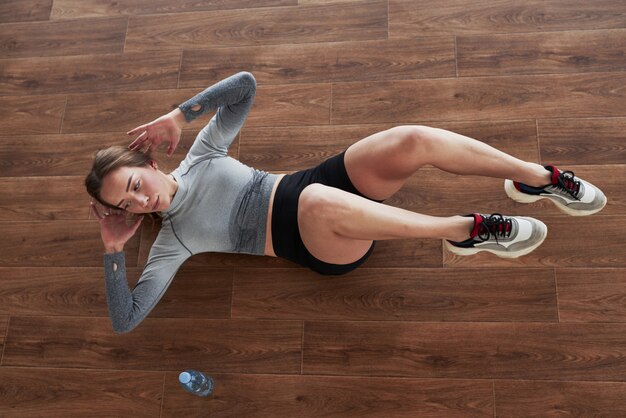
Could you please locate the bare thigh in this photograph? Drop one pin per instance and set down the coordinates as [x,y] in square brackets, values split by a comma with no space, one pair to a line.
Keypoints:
[318,209]
[379,165]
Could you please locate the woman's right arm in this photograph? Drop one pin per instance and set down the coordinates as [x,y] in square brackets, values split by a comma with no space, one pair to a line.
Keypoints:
[232,98]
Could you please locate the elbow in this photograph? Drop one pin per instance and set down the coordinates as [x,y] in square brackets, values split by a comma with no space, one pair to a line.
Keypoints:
[248,79]
[123,327]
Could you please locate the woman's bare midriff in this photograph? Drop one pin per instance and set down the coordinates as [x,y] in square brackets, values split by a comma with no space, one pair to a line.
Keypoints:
[269,248]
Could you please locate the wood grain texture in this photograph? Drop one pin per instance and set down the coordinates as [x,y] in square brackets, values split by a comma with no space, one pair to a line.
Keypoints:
[24,10]
[541,53]
[157,344]
[341,61]
[67,392]
[73,9]
[571,242]
[72,154]
[324,396]
[4,323]
[196,292]
[297,148]
[43,198]
[436,295]
[31,115]
[302,104]
[79,291]
[592,295]
[364,20]
[409,18]
[415,332]
[592,141]
[89,73]
[480,98]
[76,37]
[56,243]
[552,399]
[479,351]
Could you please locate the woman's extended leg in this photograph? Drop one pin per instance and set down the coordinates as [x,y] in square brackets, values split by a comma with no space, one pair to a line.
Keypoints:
[380,164]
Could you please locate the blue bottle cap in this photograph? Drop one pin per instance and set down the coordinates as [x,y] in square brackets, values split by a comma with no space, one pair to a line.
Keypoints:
[184,378]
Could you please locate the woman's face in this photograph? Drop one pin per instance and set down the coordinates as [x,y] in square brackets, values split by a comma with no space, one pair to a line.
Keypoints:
[137,189]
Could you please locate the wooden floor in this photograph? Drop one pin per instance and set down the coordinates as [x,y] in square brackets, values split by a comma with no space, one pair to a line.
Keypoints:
[417,332]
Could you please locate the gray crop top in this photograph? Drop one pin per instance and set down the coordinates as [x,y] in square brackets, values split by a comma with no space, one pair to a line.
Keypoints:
[220,205]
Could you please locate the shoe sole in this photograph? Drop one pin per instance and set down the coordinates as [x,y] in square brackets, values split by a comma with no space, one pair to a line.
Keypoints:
[502,254]
[513,193]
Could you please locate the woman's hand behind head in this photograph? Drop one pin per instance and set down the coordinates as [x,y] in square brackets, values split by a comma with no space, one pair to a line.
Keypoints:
[114,228]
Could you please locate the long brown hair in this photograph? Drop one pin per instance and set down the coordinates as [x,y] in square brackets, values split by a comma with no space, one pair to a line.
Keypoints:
[108,160]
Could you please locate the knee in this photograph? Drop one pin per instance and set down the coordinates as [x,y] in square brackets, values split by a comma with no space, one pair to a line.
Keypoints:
[319,203]
[413,139]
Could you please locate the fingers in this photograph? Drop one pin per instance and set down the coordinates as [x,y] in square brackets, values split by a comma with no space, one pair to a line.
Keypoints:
[95,212]
[138,143]
[137,129]
[137,223]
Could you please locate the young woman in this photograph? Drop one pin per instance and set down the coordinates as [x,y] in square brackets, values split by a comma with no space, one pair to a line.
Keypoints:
[325,218]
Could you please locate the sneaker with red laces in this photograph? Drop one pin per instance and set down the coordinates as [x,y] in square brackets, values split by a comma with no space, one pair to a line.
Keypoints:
[569,193]
[504,236]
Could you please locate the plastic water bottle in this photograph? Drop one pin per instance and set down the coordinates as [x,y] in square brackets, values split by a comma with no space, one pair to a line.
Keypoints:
[196,382]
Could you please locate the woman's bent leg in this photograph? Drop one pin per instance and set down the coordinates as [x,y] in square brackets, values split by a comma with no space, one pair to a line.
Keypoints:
[339,227]
[380,164]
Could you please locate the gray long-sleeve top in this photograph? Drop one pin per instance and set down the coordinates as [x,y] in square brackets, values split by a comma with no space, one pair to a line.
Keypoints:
[221,205]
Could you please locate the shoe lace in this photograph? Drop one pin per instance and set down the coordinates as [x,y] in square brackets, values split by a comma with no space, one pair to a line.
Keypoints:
[495,225]
[569,184]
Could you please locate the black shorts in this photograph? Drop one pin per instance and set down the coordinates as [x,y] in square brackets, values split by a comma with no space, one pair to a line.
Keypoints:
[286,238]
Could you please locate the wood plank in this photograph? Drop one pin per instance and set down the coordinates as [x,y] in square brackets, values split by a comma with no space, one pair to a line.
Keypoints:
[72,9]
[409,18]
[58,243]
[31,115]
[225,346]
[300,147]
[43,198]
[364,20]
[338,61]
[325,396]
[79,291]
[76,37]
[570,243]
[89,73]
[285,105]
[406,253]
[594,141]
[24,10]
[65,392]
[4,323]
[541,53]
[523,398]
[592,295]
[480,98]
[434,295]
[471,350]
[72,154]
